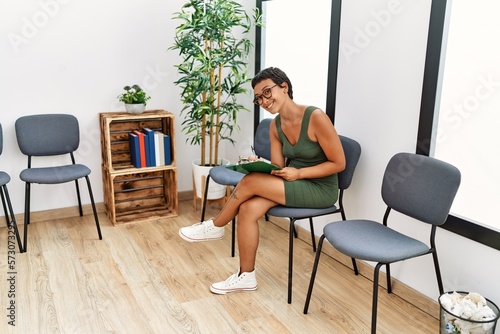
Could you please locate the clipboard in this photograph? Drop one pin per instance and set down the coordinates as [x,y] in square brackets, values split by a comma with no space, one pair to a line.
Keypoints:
[258,166]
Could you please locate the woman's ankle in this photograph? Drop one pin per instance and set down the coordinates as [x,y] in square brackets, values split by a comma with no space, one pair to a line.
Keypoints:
[218,223]
[244,270]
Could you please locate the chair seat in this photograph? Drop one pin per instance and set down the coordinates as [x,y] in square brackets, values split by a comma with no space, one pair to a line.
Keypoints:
[225,176]
[374,241]
[54,175]
[4,178]
[299,213]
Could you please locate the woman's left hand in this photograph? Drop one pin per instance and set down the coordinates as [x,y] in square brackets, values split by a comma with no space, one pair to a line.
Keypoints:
[287,173]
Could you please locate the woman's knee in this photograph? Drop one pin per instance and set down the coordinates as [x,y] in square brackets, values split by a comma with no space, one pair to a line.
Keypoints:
[246,182]
[245,210]
[250,210]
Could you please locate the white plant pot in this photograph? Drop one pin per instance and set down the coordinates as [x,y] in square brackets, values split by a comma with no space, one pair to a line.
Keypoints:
[137,108]
[215,190]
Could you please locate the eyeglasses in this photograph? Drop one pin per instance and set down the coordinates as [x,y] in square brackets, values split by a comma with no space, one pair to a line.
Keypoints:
[267,93]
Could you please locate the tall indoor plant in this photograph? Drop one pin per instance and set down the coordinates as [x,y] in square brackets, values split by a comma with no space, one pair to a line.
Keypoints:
[212,40]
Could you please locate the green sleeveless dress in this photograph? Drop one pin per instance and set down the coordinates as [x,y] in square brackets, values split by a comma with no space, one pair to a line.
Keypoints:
[310,193]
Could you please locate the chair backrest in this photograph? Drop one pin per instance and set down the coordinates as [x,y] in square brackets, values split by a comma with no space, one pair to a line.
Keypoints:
[262,140]
[352,152]
[47,134]
[420,186]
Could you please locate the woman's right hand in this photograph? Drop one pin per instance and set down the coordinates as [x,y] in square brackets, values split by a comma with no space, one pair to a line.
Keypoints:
[287,173]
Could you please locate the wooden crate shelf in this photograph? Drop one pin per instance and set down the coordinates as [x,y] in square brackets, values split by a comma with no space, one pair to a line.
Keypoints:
[136,194]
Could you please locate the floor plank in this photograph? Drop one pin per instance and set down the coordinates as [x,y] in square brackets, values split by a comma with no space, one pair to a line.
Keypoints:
[143,278]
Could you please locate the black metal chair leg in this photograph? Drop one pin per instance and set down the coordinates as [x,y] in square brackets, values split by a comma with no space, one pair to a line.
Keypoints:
[79,198]
[94,208]
[354,266]
[13,221]
[388,276]
[438,272]
[375,297]
[26,214]
[290,260]
[313,237]
[10,216]
[204,200]
[313,274]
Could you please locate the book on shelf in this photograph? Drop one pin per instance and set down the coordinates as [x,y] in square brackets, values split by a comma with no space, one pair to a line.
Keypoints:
[166,149]
[150,153]
[135,152]
[142,147]
[160,148]
[259,166]
[160,159]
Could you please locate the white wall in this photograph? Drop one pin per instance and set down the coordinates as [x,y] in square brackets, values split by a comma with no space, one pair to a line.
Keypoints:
[75,57]
[84,52]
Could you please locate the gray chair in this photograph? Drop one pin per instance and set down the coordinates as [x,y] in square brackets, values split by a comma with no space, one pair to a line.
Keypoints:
[352,152]
[50,135]
[418,186]
[10,217]
[227,177]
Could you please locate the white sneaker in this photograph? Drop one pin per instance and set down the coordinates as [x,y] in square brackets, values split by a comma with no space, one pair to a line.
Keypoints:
[204,231]
[236,283]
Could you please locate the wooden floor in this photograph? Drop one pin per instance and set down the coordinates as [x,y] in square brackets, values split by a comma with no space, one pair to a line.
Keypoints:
[143,278]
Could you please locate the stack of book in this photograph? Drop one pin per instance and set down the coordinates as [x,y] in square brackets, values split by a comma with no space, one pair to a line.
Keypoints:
[149,148]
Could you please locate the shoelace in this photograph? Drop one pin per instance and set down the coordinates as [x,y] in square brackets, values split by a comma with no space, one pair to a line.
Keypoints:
[231,278]
[198,225]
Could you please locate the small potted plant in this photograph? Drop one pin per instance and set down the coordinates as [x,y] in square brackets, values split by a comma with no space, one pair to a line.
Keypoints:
[134,99]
